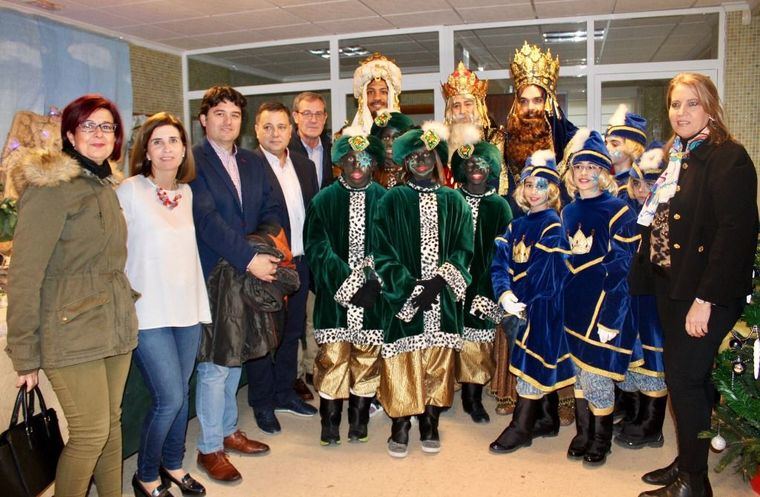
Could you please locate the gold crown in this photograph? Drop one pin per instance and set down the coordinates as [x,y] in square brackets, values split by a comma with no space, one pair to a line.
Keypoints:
[581,244]
[464,82]
[521,252]
[530,66]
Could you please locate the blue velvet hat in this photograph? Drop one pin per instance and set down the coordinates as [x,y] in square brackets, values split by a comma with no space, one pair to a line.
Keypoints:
[589,146]
[541,164]
[628,125]
[651,164]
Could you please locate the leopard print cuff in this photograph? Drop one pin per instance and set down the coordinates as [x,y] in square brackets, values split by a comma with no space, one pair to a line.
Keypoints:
[407,312]
[360,337]
[350,286]
[454,279]
[485,308]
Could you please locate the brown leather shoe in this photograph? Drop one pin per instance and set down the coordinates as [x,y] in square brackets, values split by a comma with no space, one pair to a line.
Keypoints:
[302,390]
[218,466]
[239,442]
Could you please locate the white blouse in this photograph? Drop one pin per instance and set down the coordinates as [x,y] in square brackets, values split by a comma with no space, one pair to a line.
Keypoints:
[162,256]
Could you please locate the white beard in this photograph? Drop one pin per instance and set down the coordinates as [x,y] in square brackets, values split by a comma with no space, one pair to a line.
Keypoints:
[456,136]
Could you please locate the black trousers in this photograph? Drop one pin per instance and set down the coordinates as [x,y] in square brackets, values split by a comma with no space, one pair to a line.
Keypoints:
[271,378]
[688,367]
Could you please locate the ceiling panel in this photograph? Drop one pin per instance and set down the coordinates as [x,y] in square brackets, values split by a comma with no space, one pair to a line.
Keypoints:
[501,13]
[337,10]
[434,18]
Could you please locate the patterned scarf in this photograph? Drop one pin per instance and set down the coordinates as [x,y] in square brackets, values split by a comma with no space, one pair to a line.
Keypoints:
[665,186]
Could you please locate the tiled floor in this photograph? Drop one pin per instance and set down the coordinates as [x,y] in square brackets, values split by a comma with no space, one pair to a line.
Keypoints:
[299,467]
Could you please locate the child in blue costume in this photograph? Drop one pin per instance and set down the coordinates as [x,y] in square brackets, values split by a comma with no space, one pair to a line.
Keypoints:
[625,139]
[528,273]
[598,323]
[646,382]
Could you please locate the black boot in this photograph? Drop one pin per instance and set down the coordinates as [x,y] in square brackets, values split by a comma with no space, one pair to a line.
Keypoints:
[685,485]
[647,430]
[358,417]
[472,402]
[547,421]
[519,432]
[596,453]
[330,411]
[627,408]
[428,421]
[398,443]
[584,430]
[662,476]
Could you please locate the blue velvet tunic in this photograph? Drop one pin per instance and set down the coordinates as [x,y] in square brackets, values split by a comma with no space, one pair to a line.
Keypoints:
[530,261]
[603,237]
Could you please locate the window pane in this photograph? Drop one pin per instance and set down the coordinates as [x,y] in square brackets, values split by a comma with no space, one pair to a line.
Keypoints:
[419,105]
[247,135]
[644,97]
[413,53]
[494,48]
[571,94]
[657,39]
[259,66]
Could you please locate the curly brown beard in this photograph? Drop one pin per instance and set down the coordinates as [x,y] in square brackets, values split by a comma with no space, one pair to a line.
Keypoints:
[526,134]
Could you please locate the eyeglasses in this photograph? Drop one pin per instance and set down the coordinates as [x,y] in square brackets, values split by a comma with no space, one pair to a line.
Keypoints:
[313,115]
[91,126]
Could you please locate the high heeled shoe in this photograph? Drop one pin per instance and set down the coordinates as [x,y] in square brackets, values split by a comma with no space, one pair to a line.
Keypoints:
[140,491]
[188,484]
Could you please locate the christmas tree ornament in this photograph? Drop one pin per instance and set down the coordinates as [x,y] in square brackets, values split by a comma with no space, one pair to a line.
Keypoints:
[718,443]
[738,366]
[735,344]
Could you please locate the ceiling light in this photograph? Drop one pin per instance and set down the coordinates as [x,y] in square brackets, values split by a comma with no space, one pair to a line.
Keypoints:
[345,52]
[571,36]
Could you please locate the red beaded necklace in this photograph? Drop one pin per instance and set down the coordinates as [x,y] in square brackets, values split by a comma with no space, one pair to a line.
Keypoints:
[163,197]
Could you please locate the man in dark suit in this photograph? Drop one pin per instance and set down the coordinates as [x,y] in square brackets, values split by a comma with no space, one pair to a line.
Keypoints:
[294,184]
[232,195]
[310,138]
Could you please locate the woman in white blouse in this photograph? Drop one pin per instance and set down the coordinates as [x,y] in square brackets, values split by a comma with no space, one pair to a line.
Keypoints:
[164,266]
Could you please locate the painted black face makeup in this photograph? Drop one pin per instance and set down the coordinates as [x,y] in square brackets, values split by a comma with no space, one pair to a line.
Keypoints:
[476,169]
[420,163]
[356,168]
[388,136]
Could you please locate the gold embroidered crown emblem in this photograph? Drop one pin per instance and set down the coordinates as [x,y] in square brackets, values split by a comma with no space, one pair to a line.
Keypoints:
[464,82]
[382,119]
[581,244]
[430,139]
[521,252]
[466,151]
[530,66]
[358,142]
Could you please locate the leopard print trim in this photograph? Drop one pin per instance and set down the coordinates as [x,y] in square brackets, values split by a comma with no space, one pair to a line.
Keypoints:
[422,341]
[485,308]
[356,218]
[454,279]
[349,287]
[357,337]
[478,336]
[407,312]
[474,203]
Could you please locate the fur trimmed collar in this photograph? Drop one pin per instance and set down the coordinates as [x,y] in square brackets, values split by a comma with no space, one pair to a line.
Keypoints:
[44,168]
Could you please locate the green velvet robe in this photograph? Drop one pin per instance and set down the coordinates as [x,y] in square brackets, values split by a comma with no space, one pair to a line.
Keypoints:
[338,244]
[491,216]
[421,233]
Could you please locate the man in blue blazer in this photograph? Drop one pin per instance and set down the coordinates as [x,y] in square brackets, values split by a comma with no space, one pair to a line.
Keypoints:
[294,183]
[232,196]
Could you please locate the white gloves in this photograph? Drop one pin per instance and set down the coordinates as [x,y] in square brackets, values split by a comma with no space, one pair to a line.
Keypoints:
[510,304]
[606,335]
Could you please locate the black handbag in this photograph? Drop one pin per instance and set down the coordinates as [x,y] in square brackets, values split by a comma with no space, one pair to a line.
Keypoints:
[29,450]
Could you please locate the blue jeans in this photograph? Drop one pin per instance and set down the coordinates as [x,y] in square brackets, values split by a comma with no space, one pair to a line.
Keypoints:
[216,404]
[165,357]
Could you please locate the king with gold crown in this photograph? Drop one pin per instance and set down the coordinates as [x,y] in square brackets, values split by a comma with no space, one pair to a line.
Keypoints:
[465,96]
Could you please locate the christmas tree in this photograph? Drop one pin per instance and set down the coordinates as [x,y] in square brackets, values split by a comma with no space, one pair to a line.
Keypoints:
[736,421]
